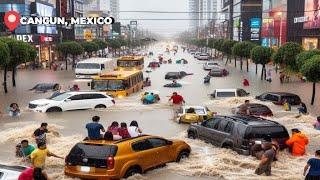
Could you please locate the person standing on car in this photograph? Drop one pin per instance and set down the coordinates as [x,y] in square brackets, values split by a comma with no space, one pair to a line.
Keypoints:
[94,128]
[266,159]
[177,102]
[134,130]
[244,109]
[313,165]
[40,133]
[297,143]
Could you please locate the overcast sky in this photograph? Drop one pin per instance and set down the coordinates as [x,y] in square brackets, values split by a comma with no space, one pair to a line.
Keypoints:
[162,27]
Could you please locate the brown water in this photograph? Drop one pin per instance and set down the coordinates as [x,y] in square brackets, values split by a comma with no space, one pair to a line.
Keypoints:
[205,162]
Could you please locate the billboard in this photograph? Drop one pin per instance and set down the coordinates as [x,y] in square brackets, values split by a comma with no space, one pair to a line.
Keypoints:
[44,10]
[312,11]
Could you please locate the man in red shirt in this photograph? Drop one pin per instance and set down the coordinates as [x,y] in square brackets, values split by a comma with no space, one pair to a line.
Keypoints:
[177,102]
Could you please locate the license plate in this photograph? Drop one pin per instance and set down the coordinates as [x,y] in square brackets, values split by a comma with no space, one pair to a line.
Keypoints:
[85,169]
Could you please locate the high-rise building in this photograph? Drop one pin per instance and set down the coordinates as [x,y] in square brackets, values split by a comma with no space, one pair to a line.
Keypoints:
[114,9]
[203,13]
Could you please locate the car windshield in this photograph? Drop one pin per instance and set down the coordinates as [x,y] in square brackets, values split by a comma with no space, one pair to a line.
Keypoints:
[61,97]
[199,111]
[128,63]
[88,66]
[107,85]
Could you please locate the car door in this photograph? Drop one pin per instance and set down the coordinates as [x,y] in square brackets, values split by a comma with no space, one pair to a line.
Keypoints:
[91,100]
[223,131]
[162,149]
[74,102]
[208,132]
[144,153]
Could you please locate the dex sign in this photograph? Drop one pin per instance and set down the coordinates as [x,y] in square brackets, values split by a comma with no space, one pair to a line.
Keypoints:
[25,38]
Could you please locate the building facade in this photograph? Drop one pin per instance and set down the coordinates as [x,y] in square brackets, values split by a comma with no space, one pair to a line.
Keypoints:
[303,21]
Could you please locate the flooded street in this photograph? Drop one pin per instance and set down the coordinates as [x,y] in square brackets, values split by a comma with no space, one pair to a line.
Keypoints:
[205,162]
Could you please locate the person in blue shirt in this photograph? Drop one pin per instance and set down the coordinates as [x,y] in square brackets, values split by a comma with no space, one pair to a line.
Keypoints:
[314,165]
[94,128]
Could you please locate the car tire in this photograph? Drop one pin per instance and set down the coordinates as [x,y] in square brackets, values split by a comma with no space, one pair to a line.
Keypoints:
[54,109]
[192,135]
[227,146]
[182,155]
[132,171]
[100,106]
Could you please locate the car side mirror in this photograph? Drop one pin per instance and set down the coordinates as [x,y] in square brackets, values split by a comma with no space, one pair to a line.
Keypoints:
[213,95]
[89,84]
[169,143]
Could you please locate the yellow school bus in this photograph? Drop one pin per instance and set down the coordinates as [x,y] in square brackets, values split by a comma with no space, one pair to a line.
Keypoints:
[129,63]
[118,83]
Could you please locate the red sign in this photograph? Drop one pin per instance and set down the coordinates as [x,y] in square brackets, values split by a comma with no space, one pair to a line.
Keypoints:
[12,20]
[46,38]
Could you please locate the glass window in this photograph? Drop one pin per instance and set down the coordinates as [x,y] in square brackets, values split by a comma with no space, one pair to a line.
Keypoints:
[76,97]
[61,97]
[229,127]
[226,94]
[141,145]
[104,85]
[156,142]
[88,66]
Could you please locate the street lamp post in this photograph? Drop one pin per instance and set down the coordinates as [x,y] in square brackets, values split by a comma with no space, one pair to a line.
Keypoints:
[280,28]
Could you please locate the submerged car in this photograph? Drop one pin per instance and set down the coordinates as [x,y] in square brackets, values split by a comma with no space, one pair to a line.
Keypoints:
[209,65]
[176,75]
[45,87]
[72,101]
[217,71]
[238,132]
[193,114]
[278,98]
[255,109]
[8,172]
[226,93]
[100,159]
[203,56]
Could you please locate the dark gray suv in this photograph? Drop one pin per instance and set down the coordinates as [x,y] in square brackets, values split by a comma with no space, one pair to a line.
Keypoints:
[238,132]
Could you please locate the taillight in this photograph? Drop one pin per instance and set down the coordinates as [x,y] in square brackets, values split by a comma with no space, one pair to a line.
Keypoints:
[114,102]
[110,162]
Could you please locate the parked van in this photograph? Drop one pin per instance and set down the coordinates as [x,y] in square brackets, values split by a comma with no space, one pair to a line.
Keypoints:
[225,93]
[93,67]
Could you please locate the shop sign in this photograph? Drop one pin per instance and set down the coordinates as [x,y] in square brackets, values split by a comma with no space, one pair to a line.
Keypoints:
[255,22]
[45,38]
[25,38]
[88,35]
[301,19]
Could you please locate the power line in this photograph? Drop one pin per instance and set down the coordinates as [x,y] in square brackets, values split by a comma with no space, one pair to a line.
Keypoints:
[177,12]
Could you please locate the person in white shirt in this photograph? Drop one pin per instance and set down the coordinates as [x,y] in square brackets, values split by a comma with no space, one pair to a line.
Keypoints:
[134,129]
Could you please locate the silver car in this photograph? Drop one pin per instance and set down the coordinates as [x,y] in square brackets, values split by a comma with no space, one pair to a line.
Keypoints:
[10,172]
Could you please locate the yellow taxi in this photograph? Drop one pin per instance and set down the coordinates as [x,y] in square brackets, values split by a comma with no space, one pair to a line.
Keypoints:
[100,159]
[193,114]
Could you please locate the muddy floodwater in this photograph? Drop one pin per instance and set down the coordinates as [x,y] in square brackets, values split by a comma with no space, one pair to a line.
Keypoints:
[205,162]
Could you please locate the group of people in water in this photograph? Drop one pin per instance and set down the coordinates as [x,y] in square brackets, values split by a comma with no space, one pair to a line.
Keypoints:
[150,98]
[36,156]
[96,131]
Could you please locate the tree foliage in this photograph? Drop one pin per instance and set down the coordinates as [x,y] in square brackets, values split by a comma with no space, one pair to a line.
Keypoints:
[227,45]
[286,55]
[89,47]
[305,55]
[101,43]
[4,54]
[311,69]
[243,49]
[218,44]
[261,55]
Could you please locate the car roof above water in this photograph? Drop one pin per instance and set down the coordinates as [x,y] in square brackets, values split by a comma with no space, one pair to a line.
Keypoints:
[254,121]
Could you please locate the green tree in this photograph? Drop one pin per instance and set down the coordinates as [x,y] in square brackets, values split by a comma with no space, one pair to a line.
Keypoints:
[286,56]
[261,55]
[75,49]
[89,47]
[19,53]
[311,70]
[243,50]
[218,45]
[114,44]
[63,49]
[305,55]
[226,48]
[4,62]
[101,44]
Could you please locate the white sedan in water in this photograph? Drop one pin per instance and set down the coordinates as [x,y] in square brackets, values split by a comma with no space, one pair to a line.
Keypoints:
[10,172]
[72,101]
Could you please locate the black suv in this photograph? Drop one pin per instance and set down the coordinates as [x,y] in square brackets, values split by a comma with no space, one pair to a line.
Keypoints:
[238,132]
[279,97]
